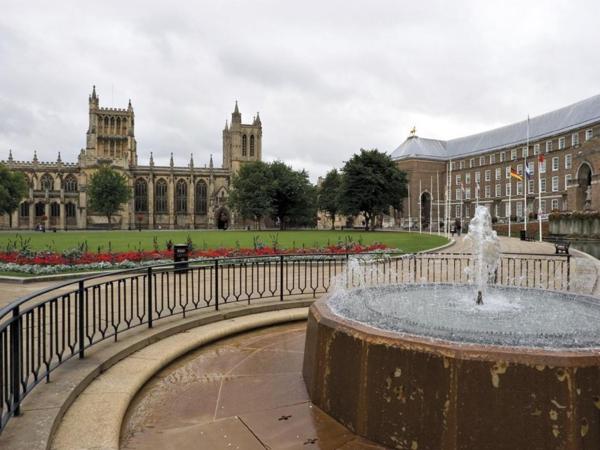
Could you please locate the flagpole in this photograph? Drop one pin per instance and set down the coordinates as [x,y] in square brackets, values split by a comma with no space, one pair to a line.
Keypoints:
[525,181]
[476,194]
[420,206]
[409,227]
[541,160]
[437,194]
[509,204]
[449,195]
[431,205]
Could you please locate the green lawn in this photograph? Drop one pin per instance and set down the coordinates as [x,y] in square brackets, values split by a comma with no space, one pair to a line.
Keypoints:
[133,240]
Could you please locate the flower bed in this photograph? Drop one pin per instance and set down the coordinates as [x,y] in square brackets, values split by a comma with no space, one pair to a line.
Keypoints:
[46,262]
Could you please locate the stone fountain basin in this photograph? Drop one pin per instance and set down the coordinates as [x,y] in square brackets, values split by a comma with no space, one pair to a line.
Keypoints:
[412,391]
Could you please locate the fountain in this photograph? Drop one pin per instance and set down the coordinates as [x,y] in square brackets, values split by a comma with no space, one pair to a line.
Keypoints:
[476,366]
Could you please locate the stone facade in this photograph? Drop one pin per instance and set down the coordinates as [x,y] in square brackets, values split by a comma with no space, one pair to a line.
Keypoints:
[166,197]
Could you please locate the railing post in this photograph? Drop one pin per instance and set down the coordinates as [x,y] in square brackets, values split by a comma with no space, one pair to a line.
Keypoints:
[568,272]
[81,315]
[281,277]
[149,299]
[216,284]
[15,341]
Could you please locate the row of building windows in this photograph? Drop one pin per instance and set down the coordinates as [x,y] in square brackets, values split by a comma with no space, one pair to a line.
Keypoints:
[245,145]
[161,197]
[568,164]
[47,183]
[514,153]
[555,187]
[40,209]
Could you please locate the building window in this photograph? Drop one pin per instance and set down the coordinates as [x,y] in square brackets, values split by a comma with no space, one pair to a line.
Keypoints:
[498,173]
[70,209]
[567,180]
[160,200]
[519,188]
[513,154]
[70,184]
[554,184]
[507,189]
[536,149]
[458,179]
[493,158]
[543,207]
[543,185]
[47,183]
[575,139]
[589,134]
[543,166]
[561,143]
[525,152]
[201,197]
[252,145]
[531,168]
[520,169]
[568,161]
[554,204]
[40,209]
[244,145]
[530,187]
[548,146]
[555,163]
[467,194]
[54,209]
[477,177]
[471,163]
[482,160]
[468,177]
[498,190]
[507,209]
[140,198]
[487,192]
[502,156]
[488,175]
[519,209]
[457,211]
[457,193]
[181,197]
[462,164]
[507,172]
[24,210]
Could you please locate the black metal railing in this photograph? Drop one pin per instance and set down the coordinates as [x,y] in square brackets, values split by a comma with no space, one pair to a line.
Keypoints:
[40,332]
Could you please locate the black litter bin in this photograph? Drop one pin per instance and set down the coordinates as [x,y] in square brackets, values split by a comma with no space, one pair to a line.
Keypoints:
[181,255]
[523,235]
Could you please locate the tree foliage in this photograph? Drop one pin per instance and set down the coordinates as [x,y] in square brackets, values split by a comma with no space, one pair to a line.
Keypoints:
[275,190]
[371,184]
[107,191]
[250,191]
[13,187]
[328,198]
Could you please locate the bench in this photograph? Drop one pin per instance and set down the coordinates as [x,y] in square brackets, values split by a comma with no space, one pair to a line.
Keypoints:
[562,247]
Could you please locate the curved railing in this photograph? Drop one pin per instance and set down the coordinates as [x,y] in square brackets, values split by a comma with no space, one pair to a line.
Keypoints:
[42,331]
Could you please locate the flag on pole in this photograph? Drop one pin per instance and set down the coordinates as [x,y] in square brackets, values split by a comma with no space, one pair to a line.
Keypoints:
[515,174]
[528,173]
[541,158]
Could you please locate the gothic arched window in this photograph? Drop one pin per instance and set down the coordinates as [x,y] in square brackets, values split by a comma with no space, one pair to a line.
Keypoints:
[161,197]
[140,198]
[181,197]
[47,182]
[252,145]
[244,145]
[201,197]
[70,184]
[24,211]
[54,209]
[40,209]
[70,210]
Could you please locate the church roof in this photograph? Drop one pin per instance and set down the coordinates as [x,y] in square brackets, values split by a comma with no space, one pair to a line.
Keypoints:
[562,120]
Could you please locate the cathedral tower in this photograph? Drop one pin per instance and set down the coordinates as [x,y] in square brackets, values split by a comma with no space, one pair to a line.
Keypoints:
[110,135]
[241,142]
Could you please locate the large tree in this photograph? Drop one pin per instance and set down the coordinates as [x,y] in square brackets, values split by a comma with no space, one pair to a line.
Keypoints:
[371,184]
[250,192]
[328,193]
[293,196]
[13,187]
[107,191]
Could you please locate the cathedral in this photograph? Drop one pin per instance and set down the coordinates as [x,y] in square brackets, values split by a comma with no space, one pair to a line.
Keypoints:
[163,197]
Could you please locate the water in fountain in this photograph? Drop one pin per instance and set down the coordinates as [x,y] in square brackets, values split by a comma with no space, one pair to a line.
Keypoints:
[486,251]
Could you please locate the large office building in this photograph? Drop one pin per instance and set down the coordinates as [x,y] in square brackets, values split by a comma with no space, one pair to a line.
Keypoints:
[458,174]
[162,196]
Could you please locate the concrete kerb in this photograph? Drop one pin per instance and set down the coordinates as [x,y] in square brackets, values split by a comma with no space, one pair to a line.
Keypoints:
[46,405]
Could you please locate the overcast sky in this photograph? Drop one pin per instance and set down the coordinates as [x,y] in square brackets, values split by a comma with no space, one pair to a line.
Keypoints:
[328,77]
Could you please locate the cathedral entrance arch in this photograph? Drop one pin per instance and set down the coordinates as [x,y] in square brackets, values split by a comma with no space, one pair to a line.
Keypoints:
[222,218]
[583,199]
[425,209]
